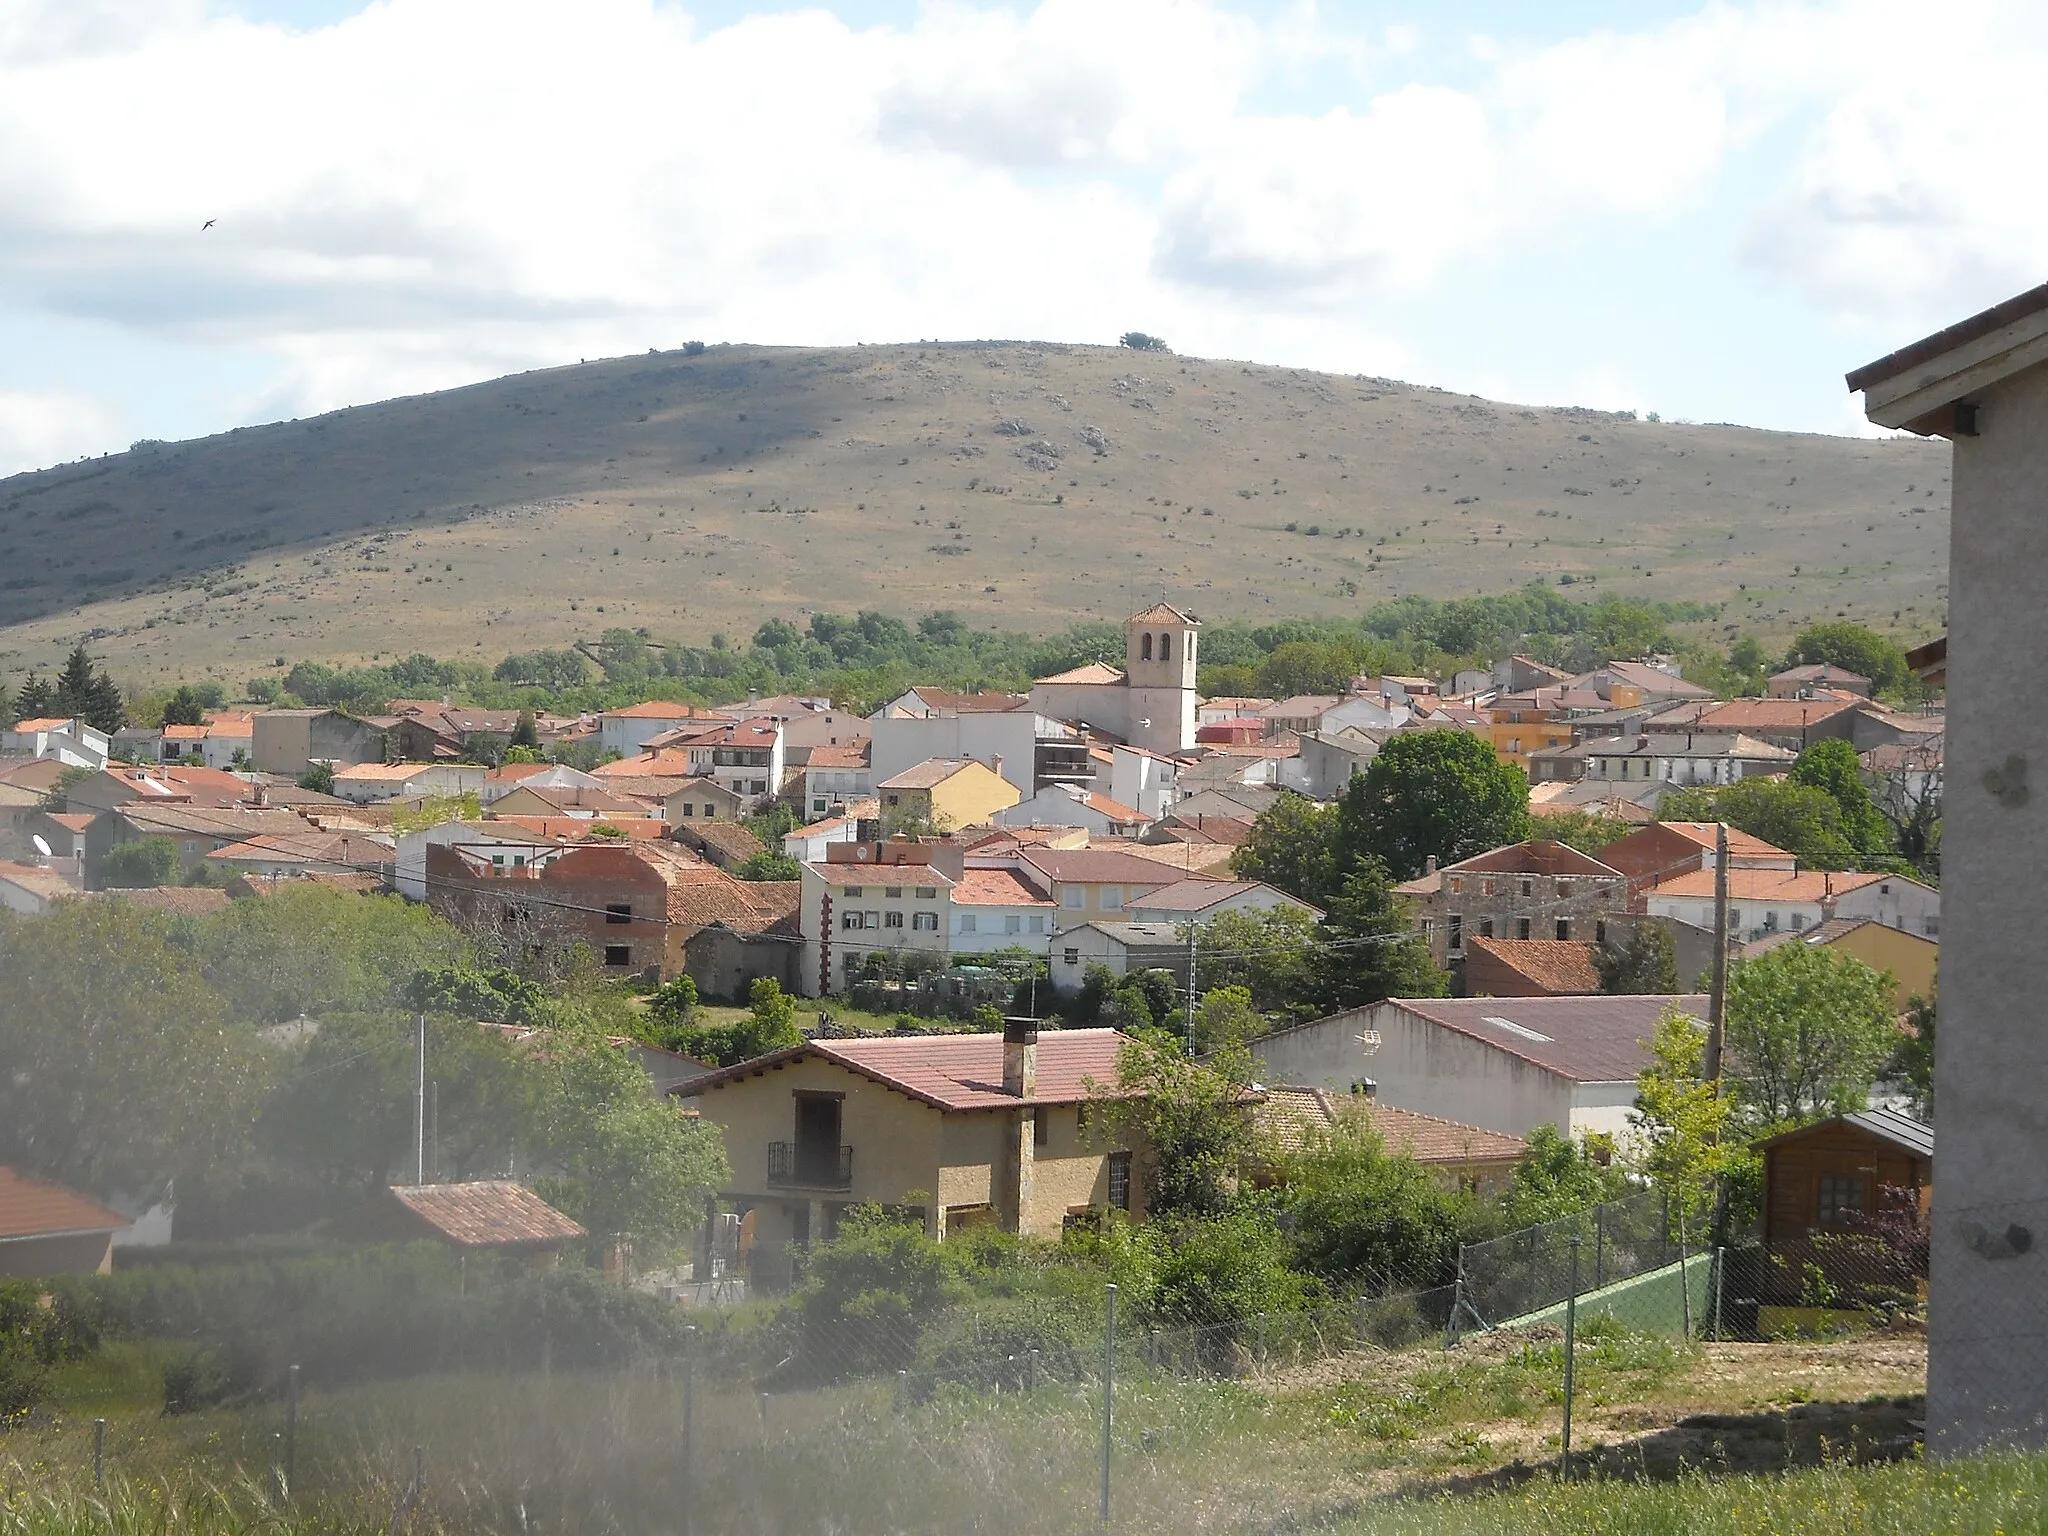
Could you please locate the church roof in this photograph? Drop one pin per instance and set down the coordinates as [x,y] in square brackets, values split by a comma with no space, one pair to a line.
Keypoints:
[1164,613]
[1092,672]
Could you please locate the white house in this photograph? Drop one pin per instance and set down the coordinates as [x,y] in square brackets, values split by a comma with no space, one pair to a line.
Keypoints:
[1764,901]
[627,731]
[836,776]
[744,757]
[808,843]
[1507,1064]
[1072,805]
[72,742]
[540,777]
[31,889]
[1119,948]
[1197,901]
[485,845]
[1682,758]
[899,740]
[995,909]
[366,783]
[1145,781]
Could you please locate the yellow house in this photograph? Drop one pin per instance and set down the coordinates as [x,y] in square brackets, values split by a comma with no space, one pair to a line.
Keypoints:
[1910,958]
[948,793]
[958,1130]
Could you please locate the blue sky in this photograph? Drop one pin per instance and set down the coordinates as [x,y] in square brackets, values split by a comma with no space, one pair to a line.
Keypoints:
[1709,211]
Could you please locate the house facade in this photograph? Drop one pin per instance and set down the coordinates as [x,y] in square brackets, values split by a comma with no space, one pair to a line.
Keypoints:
[1766,901]
[946,793]
[1532,890]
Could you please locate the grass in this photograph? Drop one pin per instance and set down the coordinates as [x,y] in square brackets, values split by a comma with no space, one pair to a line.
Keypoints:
[688,495]
[1416,1441]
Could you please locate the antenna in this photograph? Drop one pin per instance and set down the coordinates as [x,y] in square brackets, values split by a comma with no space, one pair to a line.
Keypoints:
[41,847]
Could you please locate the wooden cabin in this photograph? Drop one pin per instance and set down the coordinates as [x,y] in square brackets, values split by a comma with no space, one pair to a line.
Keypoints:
[1824,1184]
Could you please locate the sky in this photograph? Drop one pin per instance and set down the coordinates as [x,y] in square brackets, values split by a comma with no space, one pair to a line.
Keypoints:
[1711,212]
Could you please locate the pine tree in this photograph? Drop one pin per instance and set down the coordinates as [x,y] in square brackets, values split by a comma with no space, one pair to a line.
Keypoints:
[35,701]
[1368,948]
[75,683]
[7,718]
[105,709]
[527,732]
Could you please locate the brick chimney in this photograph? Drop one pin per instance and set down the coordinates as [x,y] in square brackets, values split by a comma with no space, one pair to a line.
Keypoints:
[1020,1058]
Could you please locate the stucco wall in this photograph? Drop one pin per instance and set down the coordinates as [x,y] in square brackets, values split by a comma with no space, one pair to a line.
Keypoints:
[1988,1324]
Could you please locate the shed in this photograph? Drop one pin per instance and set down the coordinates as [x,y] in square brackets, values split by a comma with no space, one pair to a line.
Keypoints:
[1821,1176]
[487,1216]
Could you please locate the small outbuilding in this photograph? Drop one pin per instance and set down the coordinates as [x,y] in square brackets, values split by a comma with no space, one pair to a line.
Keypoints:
[487,1216]
[1835,1194]
[46,1229]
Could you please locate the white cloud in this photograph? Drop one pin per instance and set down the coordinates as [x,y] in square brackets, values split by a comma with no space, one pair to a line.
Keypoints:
[40,427]
[437,190]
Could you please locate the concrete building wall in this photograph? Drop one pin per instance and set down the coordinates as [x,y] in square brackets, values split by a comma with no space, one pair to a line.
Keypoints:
[1010,734]
[79,1253]
[1988,1324]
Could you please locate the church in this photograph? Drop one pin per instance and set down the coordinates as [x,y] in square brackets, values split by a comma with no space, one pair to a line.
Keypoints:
[1151,703]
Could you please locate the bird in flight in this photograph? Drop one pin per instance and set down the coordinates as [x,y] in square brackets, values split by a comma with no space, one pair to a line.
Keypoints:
[206,226]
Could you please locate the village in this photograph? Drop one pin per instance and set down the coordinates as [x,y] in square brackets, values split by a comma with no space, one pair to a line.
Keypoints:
[984,879]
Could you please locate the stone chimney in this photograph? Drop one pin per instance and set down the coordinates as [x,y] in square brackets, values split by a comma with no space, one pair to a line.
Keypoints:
[1020,1058]
[995,764]
[1429,865]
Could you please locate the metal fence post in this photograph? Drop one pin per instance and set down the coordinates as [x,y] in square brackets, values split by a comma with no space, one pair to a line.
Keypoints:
[291,1430]
[99,1453]
[1599,1246]
[689,1499]
[1108,1387]
[1571,1350]
[1684,1283]
[1720,1273]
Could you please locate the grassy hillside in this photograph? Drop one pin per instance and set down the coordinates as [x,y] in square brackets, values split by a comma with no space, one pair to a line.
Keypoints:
[1023,485]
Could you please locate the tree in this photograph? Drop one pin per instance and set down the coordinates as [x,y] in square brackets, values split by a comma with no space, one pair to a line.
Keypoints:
[1644,966]
[1363,1215]
[1190,1119]
[1854,649]
[525,734]
[768,865]
[35,700]
[1291,847]
[1684,1122]
[1912,1060]
[7,715]
[318,777]
[184,708]
[1306,666]
[88,694]
[1138,341]
[1226,1017]
[1265,954]
[1809,1027]
[139,863]
[1832,767]
[1438,793]
[123,1068]
[1587,831]
[1367,949]
[312,949]
[1798,818]
[1558,1176]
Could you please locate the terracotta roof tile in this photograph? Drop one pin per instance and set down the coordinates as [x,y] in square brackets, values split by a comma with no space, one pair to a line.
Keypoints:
[1290,1115]
[1560,967]
[952,1072]
[33,1208]
[995,888]
[489,1214]
[1806,885]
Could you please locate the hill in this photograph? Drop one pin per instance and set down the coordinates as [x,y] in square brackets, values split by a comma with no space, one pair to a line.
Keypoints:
[1023,485]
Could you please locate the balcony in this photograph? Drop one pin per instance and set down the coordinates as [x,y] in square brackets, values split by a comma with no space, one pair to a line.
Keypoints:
[792,1165]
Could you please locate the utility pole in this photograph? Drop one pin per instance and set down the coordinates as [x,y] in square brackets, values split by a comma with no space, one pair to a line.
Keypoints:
[419,1103]
[1191,988]
[1717,997]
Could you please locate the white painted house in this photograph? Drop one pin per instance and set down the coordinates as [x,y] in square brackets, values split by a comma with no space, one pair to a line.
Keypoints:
[72,742]
[367,783]
[1508,1064]
[1766,901]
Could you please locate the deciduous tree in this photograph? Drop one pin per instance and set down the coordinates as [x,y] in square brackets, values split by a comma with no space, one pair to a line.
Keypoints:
[1809,1027]
[1431,793]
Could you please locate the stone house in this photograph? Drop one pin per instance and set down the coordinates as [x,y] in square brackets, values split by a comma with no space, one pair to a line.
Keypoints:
[1531,890]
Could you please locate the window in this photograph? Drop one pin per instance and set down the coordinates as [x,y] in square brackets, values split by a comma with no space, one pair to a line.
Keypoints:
[1013,922]
[892,919]
[1037,924]
[1166,647]
[924,922]
[1563,930]
[817,804]
[1840,1198]
[1521,928]
[1528,886]
[849,921]
[893,799]
[618,954]
[1600,931]
[1070,955]
[1564,889]
[1041,1126]
[856,890]
[967,922]
[1112,898]
[497,859]
[1455,929]
[871,919]
[1932,925]
[1770,922]
[618,912]
[1145,648]
[1120,1180]
[1457,885]
[1486,927]
[893,892]
[758,786]
[927,893]
[1073,897]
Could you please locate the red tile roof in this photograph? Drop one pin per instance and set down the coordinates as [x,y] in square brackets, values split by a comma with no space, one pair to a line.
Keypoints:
[853,756]
[1559,967]
[494,1213]
[950,1072]
[1113,866]
[32,1208]
[1290,1114]
[995,888]
[1806,885]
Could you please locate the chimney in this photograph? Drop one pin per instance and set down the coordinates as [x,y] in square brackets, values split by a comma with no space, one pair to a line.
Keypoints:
[995,762]
[1020,1058]
[1364,1088]
[260,796]
[1429,865]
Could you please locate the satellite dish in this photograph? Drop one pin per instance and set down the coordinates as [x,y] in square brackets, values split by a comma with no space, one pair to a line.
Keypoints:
[41,847]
